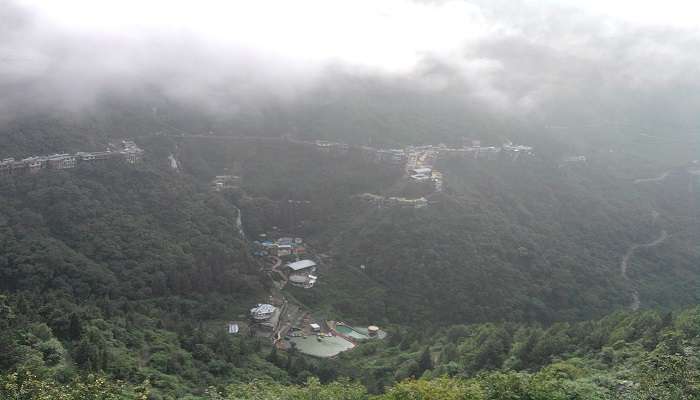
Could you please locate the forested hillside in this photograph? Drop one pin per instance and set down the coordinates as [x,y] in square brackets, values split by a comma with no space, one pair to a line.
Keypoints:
[124,270]
[121,278]
[358,200]
[505,241]
[631,356]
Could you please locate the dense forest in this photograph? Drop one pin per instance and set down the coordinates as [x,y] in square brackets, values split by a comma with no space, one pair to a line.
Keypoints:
[117,281]
[353,200]
[633,356]
[126,270]
[517,241]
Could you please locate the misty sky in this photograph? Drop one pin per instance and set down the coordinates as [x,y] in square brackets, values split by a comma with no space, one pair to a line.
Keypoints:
[532,57]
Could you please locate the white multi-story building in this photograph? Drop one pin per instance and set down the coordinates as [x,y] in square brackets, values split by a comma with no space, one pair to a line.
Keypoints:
[62,161]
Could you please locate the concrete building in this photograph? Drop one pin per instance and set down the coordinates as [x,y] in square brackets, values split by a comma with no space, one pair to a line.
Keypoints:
[285,241]
[303,280]
[222,182]
[303,265]
[420,178]
[132,157]
[438,181]
[284,250]
[332,148]
[62,161]
[392,156]
[34,164]
[515,151]
[421,171]
[517,148]
[131,152]
[262,312]
[404,202]
[96,156]
[6,166]
[299,250]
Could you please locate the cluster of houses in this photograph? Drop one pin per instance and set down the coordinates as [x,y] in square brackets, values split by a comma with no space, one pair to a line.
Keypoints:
[402,156]
[284,247]
[419,166]
[129,152]
[477,151]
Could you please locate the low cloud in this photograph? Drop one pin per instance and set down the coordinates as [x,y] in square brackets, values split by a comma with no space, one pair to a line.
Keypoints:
[555,64]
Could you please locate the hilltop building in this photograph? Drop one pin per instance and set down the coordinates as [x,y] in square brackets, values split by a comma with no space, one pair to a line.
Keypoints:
[62,161]
[130,152]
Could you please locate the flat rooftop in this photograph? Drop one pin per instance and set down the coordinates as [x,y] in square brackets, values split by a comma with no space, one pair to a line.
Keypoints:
[299,265]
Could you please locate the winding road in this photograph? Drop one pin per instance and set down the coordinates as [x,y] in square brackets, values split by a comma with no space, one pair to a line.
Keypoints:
[655,179]
[630,252]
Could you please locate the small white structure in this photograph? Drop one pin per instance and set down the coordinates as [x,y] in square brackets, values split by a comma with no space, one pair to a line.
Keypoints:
[420,177]
[233,328]
[262,312]
[404,202]
[421,171]
[315,327]
[284,250]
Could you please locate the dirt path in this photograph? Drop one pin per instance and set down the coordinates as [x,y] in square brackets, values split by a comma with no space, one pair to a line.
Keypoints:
[624,264]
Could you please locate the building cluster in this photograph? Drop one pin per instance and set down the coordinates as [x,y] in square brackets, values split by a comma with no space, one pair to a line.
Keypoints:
[129,152]
[284,247]
[299,273]
[406,156]
[419,166]
[477,151]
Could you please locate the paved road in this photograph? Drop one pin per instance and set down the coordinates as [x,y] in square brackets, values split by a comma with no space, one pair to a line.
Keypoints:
[655,179]
[275,269]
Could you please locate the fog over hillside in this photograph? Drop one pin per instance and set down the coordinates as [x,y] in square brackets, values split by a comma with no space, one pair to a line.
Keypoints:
[349,199]
[571,65]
